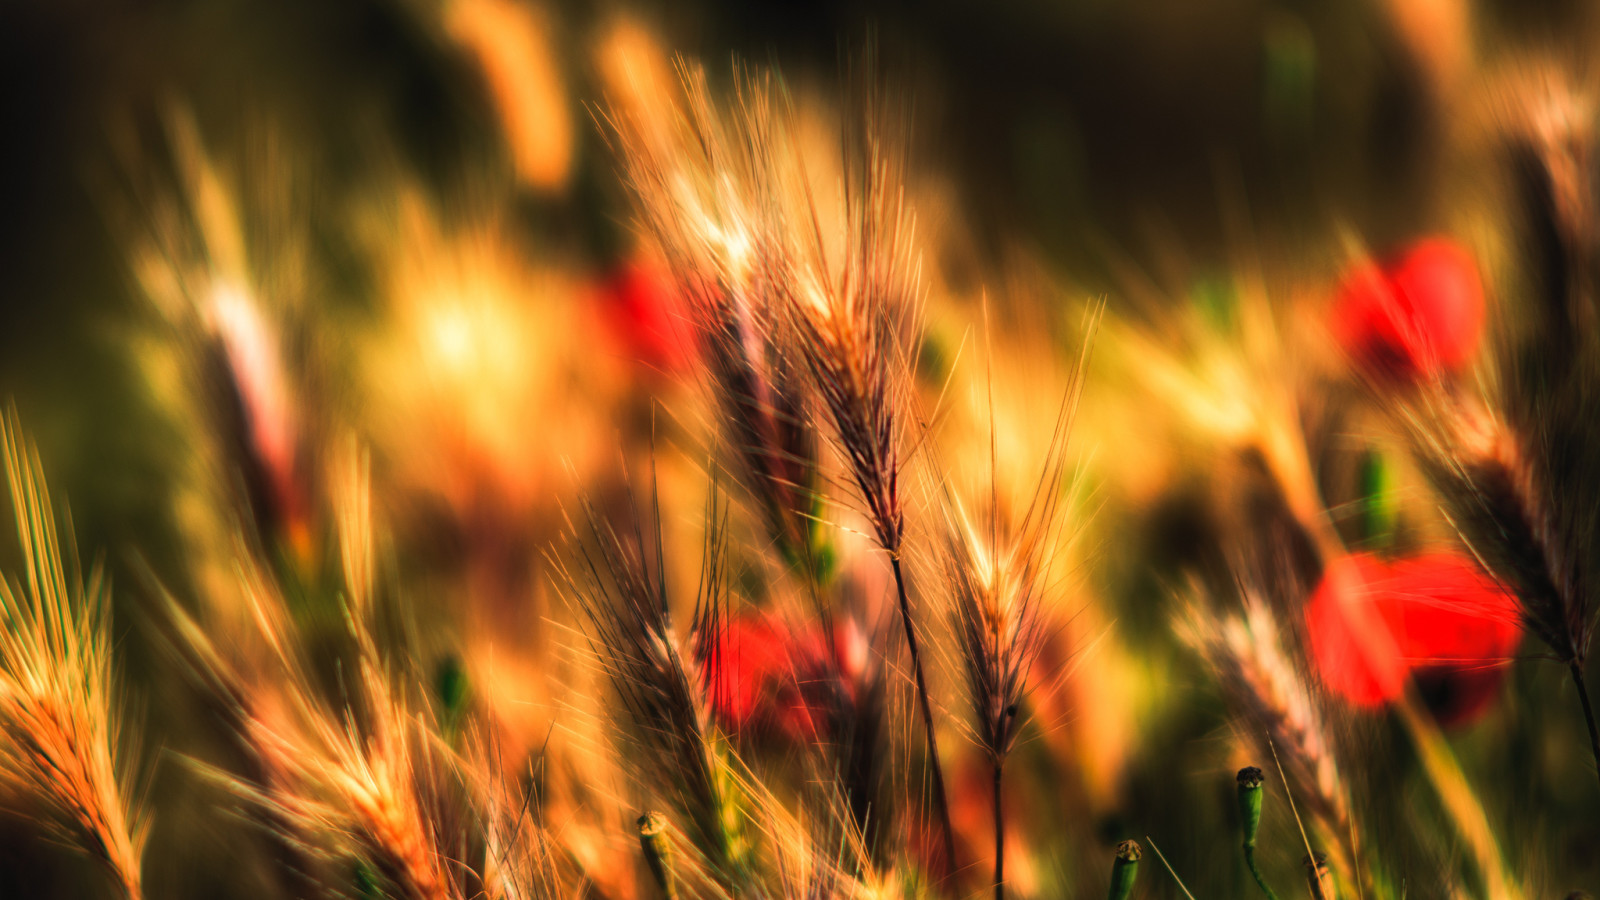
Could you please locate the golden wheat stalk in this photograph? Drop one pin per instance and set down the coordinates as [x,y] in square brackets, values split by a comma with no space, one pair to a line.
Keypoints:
[701,180]
[368,781]
[522,860]
[62,754]
[854,313]
[1001,572]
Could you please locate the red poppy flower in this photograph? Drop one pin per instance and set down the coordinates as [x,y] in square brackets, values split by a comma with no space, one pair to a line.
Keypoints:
[1417,316]
[1436,618]
[749,658]
[766,679]
[645,313]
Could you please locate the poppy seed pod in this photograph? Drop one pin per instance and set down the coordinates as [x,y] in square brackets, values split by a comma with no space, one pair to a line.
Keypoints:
[1250,780]
[658,852]
[1124,869]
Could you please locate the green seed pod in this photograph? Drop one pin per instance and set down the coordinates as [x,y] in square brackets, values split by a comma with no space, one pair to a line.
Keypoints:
[1250,792]
[658,852]
[1124,869]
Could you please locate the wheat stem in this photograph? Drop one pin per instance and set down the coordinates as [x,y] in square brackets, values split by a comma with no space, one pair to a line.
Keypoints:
[1576,668]
[941,805]
[999,837]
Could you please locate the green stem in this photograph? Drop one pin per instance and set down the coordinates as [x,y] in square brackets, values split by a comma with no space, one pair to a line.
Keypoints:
[941,805]
[1576,668]
[1250,860]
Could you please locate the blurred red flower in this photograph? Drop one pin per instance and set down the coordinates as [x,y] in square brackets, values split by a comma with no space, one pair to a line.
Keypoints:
[763,678]
[748,658]
[646,315]
[1417,316]
[1436,618]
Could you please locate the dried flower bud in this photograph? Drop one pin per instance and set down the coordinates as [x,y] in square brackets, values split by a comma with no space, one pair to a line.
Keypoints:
[658,851]
[1318,877]
[1124,869]
[1250,791]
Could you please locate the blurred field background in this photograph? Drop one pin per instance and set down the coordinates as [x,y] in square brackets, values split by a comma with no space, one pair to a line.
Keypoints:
[1209,171]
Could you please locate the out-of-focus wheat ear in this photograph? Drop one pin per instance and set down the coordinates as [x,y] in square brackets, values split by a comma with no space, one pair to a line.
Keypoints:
[1268,692]
[62,750]
[850,760]
[1527,480]
[1528,508]
[855,747]
[661,713]
[855,324]
[699,179]
[866,752]
[1549,144]
[379,796]
[368,784]
[1550,401]
[232,698]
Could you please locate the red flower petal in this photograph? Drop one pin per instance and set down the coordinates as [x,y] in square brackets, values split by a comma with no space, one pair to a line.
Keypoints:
[749,657]
[1436,617]
[766,679]
[1419,316]
[645,312]
[1351,636]
[1457,628]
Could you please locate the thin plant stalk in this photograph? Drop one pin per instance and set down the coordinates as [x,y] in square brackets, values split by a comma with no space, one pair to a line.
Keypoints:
[1318,879]
[999,835]
[1576,668]
[1171,871]
[1255,871]
[941,804]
